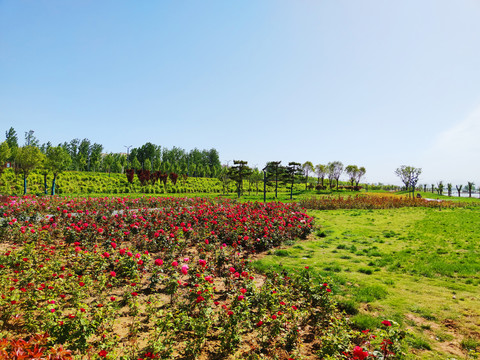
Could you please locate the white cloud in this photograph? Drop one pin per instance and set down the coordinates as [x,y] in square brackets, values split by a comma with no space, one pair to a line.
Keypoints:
[455,154]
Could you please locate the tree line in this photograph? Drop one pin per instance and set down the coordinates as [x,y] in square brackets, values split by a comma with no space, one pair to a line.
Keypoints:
[293,172]
[153,163]
[83,155]
[410,175]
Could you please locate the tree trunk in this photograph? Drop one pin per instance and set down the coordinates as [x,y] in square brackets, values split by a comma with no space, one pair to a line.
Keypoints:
[53,184]
[264,187]
[291,190]
[276,185]
[45,190]
[24,184]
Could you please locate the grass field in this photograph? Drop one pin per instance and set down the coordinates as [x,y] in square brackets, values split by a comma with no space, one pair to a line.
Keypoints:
[419,267]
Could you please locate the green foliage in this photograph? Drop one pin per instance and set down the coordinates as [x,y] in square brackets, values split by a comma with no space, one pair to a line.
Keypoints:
[28,158]
[238,172]
[4,153]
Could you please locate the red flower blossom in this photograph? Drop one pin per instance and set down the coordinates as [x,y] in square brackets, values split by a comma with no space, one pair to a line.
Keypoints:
[359,354]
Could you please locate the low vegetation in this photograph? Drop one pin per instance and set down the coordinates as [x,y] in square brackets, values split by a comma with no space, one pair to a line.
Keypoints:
[122,278]
[419,266]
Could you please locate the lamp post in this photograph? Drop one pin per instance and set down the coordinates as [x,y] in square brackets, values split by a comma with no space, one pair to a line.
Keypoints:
[128,149]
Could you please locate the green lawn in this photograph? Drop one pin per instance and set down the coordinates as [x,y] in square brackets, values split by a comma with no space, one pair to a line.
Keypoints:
[417,266]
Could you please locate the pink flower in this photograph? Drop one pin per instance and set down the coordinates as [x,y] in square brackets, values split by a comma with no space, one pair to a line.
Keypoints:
[386,323]
[159,262]
[174,263]
[113,273]
[185,269]
[241,297]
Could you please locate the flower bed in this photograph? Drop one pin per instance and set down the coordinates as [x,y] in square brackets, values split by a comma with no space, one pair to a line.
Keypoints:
[373,201]
[161,278]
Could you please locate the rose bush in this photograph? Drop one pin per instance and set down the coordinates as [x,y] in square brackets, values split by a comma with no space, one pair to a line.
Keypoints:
[169,277]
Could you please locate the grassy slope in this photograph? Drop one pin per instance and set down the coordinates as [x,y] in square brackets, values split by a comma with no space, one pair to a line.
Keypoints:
[420,267]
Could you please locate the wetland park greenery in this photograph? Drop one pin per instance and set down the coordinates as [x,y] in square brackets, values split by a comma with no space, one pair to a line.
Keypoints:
[218,278]
[182,267]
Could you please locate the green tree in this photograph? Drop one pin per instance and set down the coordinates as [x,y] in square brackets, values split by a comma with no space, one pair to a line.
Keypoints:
[147,164]
[157,162]
[27,159]
[440,187]
[335,170]
[255,179]
[107,163]
[238,172]
[12,141]
[136,164]
[449,189]
[84,151]
[351,171]
[306,167]
[459,189]
[471,187]
[95,157]
[147,151]
[360,173]
[30,139]
[72,148]
[4,155]
[321,171]
[224,178]
[58,160]
[292,171]
[273,170]
[409,176]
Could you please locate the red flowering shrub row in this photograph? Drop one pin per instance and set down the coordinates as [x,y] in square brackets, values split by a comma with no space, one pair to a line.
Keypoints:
[372,202]
[162,278]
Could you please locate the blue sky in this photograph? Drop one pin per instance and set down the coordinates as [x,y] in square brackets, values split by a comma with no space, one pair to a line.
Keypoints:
[372,83]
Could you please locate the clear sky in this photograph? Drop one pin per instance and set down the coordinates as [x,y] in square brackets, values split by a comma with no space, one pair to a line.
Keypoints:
[372,83]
